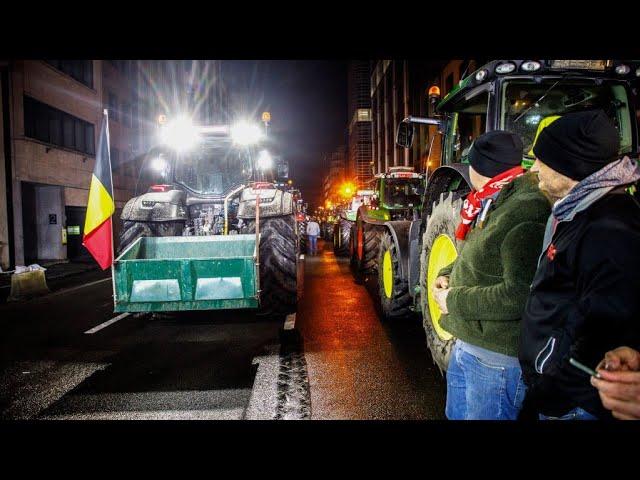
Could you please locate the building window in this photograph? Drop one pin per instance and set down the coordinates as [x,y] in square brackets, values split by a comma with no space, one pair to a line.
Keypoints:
[114,153]
[47,124]
[125,117]
[113,106]
[81,70]
[448,84]
[364,114]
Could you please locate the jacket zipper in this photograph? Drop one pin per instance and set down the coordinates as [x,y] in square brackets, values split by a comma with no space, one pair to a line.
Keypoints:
[551,341]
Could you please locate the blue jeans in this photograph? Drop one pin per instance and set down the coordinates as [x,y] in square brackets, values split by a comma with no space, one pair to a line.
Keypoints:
[313,244]
[575,414]
[483,385]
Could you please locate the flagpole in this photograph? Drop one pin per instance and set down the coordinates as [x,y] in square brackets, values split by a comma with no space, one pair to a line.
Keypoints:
[113,194]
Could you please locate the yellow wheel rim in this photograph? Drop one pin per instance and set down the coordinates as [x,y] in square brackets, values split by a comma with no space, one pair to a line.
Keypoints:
[387,274]
[443,252]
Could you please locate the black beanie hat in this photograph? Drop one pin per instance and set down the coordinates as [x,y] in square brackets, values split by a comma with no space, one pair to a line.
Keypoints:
[495,152]
[578,144]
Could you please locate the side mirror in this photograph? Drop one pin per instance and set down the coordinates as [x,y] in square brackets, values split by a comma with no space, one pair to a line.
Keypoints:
[404,136]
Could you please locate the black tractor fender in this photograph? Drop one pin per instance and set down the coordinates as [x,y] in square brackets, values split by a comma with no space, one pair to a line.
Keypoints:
[399,230]
[413,263]
[441,180]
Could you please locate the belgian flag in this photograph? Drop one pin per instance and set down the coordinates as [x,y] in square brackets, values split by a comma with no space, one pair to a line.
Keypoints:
[98,227]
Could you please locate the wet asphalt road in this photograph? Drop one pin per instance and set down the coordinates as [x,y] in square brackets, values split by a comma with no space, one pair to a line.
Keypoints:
[361,367]
[340,361]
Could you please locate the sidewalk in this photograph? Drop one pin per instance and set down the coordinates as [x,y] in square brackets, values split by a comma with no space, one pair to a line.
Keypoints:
[55,271]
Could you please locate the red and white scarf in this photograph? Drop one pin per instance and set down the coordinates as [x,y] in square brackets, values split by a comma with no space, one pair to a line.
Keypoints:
[473,203]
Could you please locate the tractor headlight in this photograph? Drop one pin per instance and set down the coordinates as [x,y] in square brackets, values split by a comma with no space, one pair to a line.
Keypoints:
[245,133]
[179,134]
[622,69]
[481,75]
[159,164]
[530,66]
[265,161]
[506,67]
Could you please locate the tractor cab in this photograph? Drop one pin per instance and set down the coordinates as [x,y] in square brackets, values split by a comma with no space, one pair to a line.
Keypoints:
[397,194]
[523,96]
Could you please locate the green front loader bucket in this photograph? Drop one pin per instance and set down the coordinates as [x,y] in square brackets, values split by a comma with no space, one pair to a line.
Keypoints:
[163,274]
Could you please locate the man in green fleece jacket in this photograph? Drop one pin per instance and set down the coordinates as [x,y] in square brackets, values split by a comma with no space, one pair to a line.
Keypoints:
[483,293]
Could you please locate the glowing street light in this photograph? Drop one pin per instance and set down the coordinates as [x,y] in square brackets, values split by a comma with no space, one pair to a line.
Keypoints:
[347,189]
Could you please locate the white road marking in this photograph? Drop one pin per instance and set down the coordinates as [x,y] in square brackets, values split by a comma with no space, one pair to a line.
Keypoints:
[290,321]
[67,290]
[107,323]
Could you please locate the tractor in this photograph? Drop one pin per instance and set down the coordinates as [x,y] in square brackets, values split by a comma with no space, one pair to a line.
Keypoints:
[345,220]
[396,198]
[519,96]
[207,229]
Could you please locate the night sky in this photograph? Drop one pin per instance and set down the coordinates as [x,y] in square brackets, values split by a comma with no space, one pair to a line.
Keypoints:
[308,105]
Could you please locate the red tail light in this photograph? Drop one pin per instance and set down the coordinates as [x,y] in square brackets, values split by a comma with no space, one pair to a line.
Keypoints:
[262,186]
[161,188]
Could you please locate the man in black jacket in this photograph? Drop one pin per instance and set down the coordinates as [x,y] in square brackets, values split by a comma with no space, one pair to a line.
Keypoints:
[585,296]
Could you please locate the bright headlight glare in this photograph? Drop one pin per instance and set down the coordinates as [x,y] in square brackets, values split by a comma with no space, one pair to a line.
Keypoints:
[158,164]
[507,67]
[264,160]
[245,133]
[638,72]
[530,66]
[180,134]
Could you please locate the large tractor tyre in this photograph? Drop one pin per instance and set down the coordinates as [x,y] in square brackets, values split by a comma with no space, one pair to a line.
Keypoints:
[132,231]
[395,299]
[278,265]
[302,230]
[368,255]
[353,256]
[439,249]
[341,236]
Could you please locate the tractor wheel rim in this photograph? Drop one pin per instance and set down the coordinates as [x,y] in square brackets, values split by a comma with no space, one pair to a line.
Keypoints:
[387,274]
[443,253]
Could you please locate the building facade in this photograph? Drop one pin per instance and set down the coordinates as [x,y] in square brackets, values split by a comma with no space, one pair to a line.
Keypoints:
[359,129]
[52,113]
[336,166]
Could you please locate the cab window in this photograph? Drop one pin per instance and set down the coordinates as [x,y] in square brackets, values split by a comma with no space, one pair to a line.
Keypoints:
[466,123]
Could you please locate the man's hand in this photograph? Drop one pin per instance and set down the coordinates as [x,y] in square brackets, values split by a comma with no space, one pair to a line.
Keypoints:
[442,282]
[622,358]
[440,296]
[619,387]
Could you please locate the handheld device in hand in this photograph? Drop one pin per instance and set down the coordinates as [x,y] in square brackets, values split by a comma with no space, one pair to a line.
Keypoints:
[584,368]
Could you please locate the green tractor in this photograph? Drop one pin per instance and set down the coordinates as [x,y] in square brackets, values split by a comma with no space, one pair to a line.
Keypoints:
[396,200]
[346,219]
[207,230]
[514,95]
